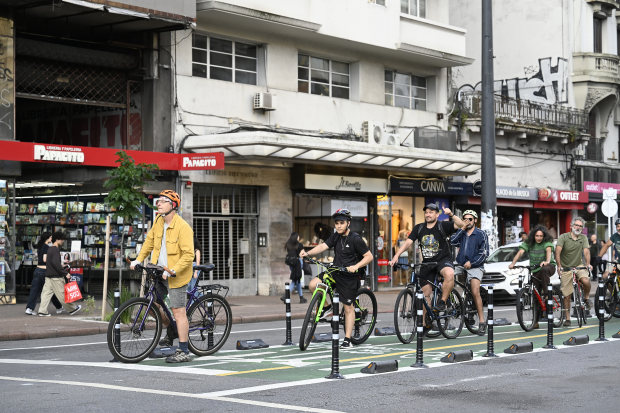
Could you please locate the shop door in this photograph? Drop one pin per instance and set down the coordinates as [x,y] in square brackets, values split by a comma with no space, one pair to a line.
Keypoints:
[220,249]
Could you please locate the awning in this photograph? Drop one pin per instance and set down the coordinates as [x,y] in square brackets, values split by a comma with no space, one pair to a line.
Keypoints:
[281,147]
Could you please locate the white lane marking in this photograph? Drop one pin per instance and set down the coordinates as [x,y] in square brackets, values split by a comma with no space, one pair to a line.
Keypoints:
[44,347]
[272,329]
[204,372]
[266,387]
[176,394]
[490,376]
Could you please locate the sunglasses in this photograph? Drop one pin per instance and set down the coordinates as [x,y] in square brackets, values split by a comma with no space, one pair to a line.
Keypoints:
[468,219]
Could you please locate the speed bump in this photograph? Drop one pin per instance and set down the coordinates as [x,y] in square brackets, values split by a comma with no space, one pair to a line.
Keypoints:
[458,356]
[251,344]
[380,367]
[577,340]
[518,348]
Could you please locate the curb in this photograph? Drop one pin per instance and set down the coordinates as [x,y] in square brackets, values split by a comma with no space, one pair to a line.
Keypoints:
[85,331]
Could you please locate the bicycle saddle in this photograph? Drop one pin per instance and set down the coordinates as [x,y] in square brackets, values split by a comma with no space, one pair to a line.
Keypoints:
[205,267]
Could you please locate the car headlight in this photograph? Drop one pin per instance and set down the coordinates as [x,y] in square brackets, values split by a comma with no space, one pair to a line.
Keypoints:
[514,282]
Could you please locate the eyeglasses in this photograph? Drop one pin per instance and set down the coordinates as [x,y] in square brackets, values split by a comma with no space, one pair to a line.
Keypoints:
[468,219]
[578,226]
[162,200]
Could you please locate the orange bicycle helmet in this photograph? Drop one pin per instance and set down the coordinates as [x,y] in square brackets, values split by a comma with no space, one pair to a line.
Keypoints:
[173,196]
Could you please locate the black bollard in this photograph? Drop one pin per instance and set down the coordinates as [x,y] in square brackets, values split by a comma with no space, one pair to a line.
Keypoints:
[490,352]
[335,374]
[419,351]
[117,326]
[289,332]
[549,344]
[601,309]
[210,343]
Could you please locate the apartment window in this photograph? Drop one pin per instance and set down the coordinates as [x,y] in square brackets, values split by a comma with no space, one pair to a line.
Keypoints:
[598,36]
[379,2]
[405,90]
[323,77]
[226,60]
[413,7]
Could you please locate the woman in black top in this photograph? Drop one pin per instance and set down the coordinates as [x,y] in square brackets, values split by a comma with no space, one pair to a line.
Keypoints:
[293,247]
[55,273]
[38,279]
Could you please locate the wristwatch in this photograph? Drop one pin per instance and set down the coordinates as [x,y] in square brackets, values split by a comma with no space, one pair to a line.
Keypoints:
[451,216]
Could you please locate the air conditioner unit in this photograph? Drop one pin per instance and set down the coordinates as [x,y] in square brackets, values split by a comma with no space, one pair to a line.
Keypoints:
[375,133]
[580,150]
[265,101]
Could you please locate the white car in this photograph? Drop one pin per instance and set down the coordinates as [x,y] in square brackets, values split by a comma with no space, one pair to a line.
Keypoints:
[504,280]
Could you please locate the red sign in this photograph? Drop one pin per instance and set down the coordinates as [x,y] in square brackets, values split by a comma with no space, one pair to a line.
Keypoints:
[383,278]
[553,195]
[383,262]
[592,207]
[84,155]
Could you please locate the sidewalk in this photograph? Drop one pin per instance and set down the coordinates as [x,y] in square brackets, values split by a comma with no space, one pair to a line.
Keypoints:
[15,324]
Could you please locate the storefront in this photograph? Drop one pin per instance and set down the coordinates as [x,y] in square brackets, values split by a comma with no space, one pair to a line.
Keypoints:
[596,222]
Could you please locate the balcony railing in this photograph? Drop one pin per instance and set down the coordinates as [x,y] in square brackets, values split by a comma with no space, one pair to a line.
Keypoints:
[527,112]
[600,66]
[594,150]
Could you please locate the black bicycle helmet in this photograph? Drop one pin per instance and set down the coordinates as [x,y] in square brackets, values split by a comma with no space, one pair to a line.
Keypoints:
[342,215]
[617,221]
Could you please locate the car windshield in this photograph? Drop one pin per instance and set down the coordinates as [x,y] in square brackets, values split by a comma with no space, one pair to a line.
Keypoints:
[506,255]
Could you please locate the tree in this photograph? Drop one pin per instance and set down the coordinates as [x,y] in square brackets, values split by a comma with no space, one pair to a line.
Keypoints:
[125,183]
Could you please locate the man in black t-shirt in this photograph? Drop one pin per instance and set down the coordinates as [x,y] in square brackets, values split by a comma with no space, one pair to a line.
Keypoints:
[351,252]
[435,248]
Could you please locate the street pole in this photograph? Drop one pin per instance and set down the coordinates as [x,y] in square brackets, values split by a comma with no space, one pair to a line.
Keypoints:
[489,199]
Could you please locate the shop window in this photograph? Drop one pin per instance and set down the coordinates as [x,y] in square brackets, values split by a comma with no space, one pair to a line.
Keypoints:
[223,59]
[405,90]
[323,77]
[413,7]
[8,264]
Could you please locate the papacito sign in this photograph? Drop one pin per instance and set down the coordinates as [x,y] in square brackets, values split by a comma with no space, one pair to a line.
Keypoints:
[58,153]
[197,163]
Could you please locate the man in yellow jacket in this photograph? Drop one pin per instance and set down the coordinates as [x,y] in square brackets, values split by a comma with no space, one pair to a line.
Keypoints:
[171,240]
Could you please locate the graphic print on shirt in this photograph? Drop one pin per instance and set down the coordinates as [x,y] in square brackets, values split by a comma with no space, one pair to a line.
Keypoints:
[429,246]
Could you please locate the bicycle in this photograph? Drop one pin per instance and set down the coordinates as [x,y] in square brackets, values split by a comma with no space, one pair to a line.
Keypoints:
[472,319]
[209,317]
[612,288]
[580,307]
[365,308]
[450,324]
[529,300]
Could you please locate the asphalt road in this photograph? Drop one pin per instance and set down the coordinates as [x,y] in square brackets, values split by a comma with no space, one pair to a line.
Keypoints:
[73,375]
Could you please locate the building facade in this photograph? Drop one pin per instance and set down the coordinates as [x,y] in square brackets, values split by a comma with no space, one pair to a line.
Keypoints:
[556,109]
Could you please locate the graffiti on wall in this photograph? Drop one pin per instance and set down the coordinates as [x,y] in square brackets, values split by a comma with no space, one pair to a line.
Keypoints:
[545,84]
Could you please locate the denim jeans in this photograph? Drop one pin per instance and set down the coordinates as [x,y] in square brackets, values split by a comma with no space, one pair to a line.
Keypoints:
[192,283]
[38,281]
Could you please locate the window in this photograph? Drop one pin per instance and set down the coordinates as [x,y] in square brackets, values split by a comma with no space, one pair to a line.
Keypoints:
[405,91]
[598,36]
[413,7]
[379,2]
[224,60]
[322,77]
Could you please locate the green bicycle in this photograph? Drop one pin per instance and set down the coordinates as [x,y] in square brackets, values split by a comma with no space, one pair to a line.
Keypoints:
[365,308]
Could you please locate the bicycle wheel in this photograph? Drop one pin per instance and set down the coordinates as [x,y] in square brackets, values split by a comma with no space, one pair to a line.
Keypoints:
[405,316]
[470,315]
[610,300]
[526,310]
[309,325]
[139,333]
[616,293]
[451,323]
[558,307]
[365,315]
[210,321]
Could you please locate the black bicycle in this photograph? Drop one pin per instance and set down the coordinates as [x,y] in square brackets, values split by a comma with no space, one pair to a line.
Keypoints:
[611,293]
[141,324]
[449,324]
[531,303]
[472,318]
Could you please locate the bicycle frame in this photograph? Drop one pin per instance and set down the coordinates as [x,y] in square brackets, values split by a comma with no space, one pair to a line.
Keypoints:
[414,281]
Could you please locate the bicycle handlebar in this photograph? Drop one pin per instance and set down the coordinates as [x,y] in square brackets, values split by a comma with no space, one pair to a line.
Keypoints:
[422,264]
[574,268]
[141,267]
[526,267]
[329,265]
[610,262]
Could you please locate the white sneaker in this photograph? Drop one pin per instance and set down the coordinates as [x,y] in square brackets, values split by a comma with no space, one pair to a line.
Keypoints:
[45,315]
[60,310]
[79,307]
[30,312]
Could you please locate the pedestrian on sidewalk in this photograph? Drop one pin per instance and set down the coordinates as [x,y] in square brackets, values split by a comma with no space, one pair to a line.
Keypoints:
[194,280]
[293,247]
[54,274]
[38,279]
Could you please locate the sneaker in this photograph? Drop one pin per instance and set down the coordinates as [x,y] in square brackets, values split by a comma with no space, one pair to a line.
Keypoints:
[79,307]
[425,330]
[60,310]
[30,312]
[346,344]
[166,341]
[179,357]
[566,323]
[482,329]
[44,315]
[327,311]
[588,303]
[302,300]
[536,326]
[440,306]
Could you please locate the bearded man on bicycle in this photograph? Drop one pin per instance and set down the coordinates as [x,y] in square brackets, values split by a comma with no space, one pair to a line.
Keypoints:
[350,251]
[473,246]
[172,242]
[432,236]
[615,241]
[568,253]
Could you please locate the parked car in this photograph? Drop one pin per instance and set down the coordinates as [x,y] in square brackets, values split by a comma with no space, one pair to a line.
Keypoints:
[504,280]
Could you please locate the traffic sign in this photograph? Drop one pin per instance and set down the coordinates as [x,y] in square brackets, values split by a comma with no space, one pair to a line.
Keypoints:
[477,187]
[610,208]
[610,193]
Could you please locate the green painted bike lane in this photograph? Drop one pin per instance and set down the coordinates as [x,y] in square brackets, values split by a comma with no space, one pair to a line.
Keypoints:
[288,363]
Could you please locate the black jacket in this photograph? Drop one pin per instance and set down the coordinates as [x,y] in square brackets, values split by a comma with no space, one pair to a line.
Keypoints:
[53,265]
[293,258]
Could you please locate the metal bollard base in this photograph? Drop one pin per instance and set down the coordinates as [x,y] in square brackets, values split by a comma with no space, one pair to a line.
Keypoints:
[490,354]
[336,376]
[601,339]
[549,347]
[288,343]
[419,366]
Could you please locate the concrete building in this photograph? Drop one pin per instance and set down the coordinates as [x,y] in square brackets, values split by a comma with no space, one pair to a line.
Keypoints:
[317,105]
[556,107]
